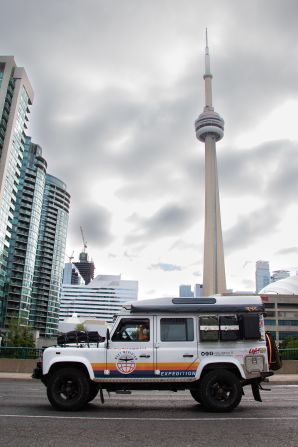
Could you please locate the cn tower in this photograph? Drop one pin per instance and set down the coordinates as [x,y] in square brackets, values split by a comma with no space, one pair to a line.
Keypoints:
[210,129]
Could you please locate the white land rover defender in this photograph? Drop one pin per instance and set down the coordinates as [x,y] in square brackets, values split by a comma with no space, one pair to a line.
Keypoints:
[211,346]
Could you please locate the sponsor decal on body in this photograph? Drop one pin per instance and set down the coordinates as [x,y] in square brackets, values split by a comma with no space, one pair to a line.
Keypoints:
[257,350]
[126,362]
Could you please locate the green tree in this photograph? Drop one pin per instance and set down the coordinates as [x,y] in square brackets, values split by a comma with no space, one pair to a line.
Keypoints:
[19,334]
[291,342]
[80,327]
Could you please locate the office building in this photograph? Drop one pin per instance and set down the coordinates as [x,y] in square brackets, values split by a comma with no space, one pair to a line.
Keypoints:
[16,95]
[281,318]
[262,275]
[71,275]
[102,298]
[198,290]
[185,291]
[210,129]
[85,267]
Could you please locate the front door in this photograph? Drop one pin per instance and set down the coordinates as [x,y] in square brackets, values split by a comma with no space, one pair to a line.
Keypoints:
[130,352]
[176,347]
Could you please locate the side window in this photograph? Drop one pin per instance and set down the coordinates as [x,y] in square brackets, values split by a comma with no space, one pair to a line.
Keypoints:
[229,327]
[209,328]
[176,329]
[132,330]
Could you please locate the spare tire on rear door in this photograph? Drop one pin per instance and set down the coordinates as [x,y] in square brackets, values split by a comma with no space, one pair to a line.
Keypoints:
[274,357]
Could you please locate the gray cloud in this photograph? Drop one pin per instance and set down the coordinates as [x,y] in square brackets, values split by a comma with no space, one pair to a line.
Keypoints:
[167,221]
[95,221]
[249,228]
[288,251]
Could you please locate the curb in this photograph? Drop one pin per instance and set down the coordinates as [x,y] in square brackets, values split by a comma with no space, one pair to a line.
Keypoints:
[15,376]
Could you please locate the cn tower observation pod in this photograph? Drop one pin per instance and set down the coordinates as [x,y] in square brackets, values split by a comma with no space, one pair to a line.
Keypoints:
[209,123]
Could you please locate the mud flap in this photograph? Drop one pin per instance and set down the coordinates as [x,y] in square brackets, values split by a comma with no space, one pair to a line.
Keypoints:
[256,391]
[101,396]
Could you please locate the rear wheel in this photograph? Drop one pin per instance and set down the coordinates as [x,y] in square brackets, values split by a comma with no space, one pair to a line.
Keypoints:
[68,389]
[220,391]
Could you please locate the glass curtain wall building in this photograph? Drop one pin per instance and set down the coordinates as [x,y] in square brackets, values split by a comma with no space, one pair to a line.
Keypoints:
[262,275]
[48,271]
[34,209]
[26,221]
[16,95]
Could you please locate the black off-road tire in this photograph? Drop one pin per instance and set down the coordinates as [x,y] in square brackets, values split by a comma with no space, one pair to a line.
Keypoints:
[220,391]
[68,389]
[94,388]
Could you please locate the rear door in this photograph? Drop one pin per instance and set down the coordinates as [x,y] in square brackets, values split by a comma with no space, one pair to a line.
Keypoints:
[176,347]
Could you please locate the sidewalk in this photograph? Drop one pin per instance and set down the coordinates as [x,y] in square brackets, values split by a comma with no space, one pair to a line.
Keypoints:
[277,379]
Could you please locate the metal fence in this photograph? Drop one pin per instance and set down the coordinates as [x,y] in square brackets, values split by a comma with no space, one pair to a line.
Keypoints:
[19,353]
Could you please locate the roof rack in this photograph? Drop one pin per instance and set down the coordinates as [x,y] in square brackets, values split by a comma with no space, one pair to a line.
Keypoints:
[197,305]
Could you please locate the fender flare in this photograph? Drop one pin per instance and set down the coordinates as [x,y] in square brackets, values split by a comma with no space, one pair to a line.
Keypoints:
[70,360]
[217,360]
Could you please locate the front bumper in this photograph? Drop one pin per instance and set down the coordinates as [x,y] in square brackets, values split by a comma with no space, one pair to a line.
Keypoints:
[37,372]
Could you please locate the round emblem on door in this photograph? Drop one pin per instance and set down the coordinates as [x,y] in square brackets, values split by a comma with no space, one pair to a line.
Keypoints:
[126,362]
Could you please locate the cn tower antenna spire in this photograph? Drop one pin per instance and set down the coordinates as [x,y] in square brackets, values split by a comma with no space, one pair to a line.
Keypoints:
[207,57]
[208,77]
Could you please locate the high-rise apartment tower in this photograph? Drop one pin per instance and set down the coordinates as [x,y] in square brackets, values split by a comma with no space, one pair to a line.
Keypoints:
[16,95]
[49,263]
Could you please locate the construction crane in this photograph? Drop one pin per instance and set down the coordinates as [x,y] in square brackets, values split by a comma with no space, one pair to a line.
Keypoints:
[71,257]
[84,240]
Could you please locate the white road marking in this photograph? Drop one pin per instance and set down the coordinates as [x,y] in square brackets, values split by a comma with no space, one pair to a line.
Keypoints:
[85,418]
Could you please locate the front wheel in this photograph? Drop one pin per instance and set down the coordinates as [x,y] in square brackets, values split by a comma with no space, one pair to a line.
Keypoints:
[220,391]
[94,388]
[68,389]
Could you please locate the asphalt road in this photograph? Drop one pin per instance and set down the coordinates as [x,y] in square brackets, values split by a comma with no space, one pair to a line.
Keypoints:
[146,419]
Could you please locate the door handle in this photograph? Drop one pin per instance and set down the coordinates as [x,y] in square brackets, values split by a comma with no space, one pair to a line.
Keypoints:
[146,356]
[187,355]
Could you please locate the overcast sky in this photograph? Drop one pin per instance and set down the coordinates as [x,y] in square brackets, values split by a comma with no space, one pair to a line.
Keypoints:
[118,85]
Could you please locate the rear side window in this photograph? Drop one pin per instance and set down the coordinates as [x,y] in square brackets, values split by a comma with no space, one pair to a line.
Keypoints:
[209,328]
[176,329]
[229,327]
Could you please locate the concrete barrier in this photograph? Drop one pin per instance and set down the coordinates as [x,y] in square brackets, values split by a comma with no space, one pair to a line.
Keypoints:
[288,367]
[17,365]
